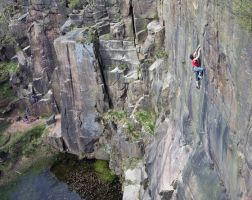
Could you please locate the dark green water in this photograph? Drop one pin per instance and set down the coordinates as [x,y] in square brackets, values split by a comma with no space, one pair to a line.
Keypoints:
[67,179]
[38,185]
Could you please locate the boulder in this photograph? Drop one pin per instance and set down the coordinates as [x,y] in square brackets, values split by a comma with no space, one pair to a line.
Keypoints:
[82,97]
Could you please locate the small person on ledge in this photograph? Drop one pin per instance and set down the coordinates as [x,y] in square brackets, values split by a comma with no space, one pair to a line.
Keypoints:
[196,66]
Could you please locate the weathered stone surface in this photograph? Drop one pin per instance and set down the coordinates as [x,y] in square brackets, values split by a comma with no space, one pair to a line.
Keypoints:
[145,9]
[18,28]
[155,38]
[134,182]
[45,106]
[45,18]
[119,58]
[135,92]
[54,136]
[81,92]
[204,145]
[160,83]
[118,51]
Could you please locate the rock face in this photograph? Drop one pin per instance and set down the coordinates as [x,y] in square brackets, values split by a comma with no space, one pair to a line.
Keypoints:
[81,90]
[45,19]
[117,63]
[203,145]
[202,137]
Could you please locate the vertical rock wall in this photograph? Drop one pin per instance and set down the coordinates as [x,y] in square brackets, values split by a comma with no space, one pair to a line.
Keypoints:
[202,148]
[202,143]
[82,95]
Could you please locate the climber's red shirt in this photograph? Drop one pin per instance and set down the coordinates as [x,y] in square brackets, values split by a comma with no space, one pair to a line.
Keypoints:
[195,63]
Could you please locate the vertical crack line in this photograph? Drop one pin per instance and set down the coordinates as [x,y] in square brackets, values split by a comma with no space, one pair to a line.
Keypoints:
[98,58]
[70,71]
[131,13]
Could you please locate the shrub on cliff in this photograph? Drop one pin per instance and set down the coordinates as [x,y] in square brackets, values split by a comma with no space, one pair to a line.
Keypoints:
[77,4]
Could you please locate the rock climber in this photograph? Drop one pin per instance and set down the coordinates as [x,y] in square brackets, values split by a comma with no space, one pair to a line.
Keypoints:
[33,97]
[196,66]
[27,113]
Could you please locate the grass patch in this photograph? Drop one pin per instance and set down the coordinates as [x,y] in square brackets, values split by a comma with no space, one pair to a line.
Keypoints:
[25,150]
[123,66]
[88,36]
[161,54]
[131,130]
[3,126]
[25,143]
[6,68]
[147,119]
[102,169]
[45,116]
[75,4]
[118,116]
[3,138]
[12,67]
[6,92]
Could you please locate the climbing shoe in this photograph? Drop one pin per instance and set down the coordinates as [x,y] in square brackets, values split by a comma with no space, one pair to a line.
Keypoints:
[197,84]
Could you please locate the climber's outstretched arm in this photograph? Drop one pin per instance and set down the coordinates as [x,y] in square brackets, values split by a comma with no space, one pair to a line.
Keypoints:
[196,52]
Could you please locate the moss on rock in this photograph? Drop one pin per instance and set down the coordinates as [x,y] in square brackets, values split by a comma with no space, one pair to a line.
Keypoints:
[103,171]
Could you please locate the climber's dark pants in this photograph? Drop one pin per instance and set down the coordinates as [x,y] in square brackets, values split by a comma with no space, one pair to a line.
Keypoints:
[197,71]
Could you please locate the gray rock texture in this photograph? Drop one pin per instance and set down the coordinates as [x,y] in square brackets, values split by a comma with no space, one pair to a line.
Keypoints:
[205,147]
[130,56]
[81,90]
[202,137]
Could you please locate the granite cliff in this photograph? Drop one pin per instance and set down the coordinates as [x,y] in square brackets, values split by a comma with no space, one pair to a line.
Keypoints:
[119,74]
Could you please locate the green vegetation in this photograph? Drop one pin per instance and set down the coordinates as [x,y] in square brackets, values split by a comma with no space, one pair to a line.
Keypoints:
[102,169]
[25,143]
[243,11]
[75,4]
[106,37]
[21,144]
[147,62]
[161,54]
[3,126]
[118,116]
[78,4]
[66,163]
[132,132]
[147,119]
[123,66]
[44,116]
[89,36]
[6,93]
[3,138]
[91,179]
[8,67]
[5,15]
